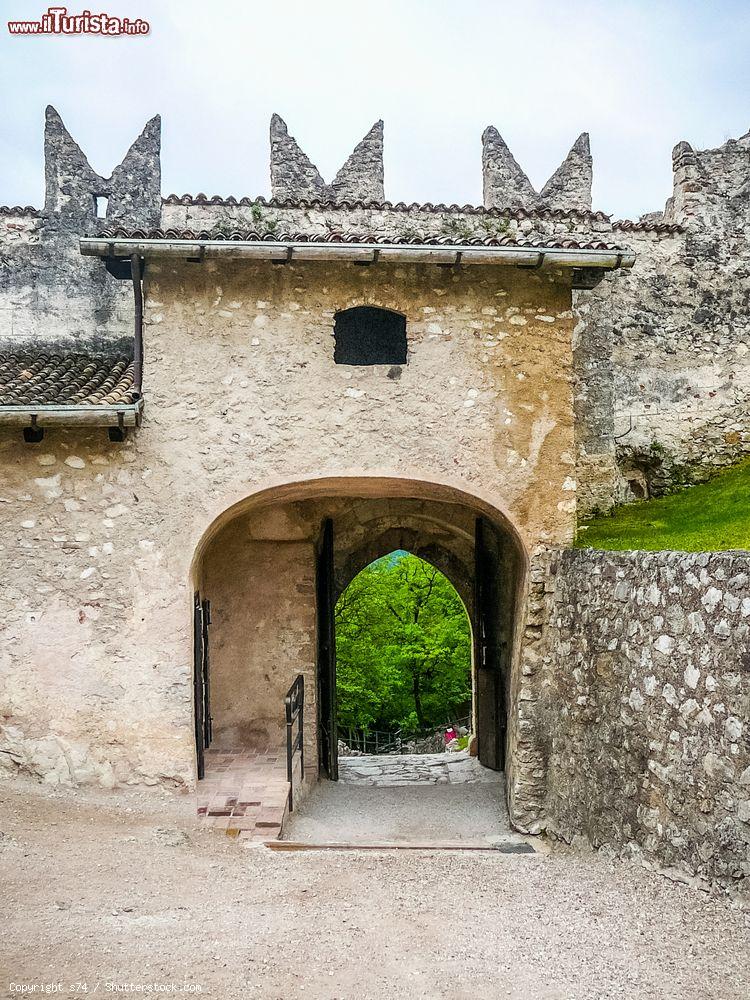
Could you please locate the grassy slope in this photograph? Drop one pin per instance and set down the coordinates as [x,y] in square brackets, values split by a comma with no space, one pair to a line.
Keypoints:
[705,518]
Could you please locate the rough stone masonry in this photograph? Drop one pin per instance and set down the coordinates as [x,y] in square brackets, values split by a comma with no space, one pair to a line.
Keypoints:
[535,392]
[641,687]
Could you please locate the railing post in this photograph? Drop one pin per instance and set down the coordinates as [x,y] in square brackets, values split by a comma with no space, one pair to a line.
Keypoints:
[288,742]
[301,727]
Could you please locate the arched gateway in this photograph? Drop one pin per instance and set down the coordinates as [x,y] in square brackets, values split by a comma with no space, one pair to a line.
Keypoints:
[271,569]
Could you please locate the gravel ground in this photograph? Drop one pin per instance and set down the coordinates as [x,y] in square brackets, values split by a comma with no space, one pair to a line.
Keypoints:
[93,892]
[336,812]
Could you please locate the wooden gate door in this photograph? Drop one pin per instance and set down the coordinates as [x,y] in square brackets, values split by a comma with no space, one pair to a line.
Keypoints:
[327,729]
[201,682]
[490,647]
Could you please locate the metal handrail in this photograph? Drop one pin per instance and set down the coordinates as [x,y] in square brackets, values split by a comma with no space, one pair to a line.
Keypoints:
[294,705]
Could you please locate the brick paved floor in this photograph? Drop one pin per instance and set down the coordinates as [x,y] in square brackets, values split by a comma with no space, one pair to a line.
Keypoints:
[244,793]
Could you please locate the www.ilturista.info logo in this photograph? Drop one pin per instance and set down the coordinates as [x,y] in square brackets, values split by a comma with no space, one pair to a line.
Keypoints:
[57,21]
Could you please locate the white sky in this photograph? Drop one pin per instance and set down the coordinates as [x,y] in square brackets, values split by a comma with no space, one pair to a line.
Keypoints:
[639,76]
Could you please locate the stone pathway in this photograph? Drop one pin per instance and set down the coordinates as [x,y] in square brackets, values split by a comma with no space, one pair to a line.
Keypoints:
[389,771]
[244,793]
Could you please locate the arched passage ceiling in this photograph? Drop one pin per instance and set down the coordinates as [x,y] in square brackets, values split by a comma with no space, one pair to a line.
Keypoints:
[350,500]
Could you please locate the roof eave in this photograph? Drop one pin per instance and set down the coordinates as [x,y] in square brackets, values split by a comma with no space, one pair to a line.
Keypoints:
[60,415]
[283,251]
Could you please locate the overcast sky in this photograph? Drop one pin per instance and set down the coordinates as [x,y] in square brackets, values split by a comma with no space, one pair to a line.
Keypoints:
[638,76]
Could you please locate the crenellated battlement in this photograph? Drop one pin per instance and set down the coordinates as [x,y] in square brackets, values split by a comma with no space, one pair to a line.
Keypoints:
[711,187]
[294,175]
[72,187]
[505,183]
[663,351]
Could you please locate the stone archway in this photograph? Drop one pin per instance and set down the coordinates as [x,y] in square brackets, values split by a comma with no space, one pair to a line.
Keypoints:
[257,568]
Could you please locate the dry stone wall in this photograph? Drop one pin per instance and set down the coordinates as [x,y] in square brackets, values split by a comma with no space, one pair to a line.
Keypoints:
[642,704]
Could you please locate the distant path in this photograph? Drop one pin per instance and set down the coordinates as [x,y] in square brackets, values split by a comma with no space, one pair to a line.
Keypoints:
[389,770]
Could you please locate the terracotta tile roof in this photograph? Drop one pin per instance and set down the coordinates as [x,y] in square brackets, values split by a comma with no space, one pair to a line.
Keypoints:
[253,236]
[626,226]
[19,210]
[388,206]
[65,380]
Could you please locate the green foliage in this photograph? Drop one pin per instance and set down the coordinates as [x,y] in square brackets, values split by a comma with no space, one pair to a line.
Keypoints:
[403,647]
[710,517]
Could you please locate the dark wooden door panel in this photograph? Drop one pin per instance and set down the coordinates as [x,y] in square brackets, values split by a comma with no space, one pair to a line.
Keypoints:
[327,731]
[198,692]
[490,644]
[201,680]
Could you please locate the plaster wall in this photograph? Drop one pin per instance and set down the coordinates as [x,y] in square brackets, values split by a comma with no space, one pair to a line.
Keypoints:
[661,352]
[259,574]
[485,396]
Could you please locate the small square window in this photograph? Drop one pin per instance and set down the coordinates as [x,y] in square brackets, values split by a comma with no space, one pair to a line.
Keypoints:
[365,335]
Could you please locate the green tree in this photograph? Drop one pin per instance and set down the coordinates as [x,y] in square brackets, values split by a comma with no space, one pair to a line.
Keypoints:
[403,647]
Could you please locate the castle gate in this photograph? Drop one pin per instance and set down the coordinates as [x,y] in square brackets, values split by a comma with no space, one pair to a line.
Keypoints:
[185,363]
[271,573]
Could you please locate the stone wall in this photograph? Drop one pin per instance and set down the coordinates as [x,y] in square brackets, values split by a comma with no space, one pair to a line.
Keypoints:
[52,298]
[644,655]
[642,711]
[663,366]
[244,353]
[662,351]
[242,394]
